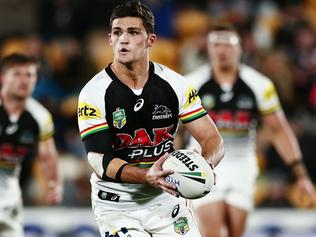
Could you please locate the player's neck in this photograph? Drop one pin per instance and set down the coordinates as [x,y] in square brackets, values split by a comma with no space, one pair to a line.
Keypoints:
[133,75]
[225,75]
[12,104]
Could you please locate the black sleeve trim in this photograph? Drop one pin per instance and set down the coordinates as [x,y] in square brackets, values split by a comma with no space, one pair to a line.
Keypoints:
[100,142]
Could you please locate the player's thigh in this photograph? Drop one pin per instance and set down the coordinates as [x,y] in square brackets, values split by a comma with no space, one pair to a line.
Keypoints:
[211,218]
[173,218]
[236,221]
[241,195]
[11,221]
[184,226]
[117,223]
[120,227]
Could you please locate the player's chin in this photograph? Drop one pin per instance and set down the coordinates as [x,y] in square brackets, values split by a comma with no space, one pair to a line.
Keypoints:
[21,95]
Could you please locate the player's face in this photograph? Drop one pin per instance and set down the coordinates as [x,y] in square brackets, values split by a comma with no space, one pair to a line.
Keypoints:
[129,40]
[224,49]
[19,80]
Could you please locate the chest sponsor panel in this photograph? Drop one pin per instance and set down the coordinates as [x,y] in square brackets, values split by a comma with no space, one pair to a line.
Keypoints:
[235,122]
[145,143]
[17,140]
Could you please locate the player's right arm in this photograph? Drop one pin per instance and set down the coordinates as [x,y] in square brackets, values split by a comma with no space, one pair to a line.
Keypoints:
[118,170]
[97,138]
[205,132]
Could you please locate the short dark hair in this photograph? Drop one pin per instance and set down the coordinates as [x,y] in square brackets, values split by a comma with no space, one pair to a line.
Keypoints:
[222,27]
[16,59]
[135,9]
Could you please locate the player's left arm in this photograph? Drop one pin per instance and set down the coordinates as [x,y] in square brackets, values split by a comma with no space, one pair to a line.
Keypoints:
[205,132]
[47,155]
[287,146]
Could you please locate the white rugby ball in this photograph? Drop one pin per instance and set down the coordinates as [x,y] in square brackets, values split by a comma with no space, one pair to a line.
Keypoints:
[192,176]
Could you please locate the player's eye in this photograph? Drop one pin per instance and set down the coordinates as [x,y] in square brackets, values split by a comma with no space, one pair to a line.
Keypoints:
[134,32]
[116,32]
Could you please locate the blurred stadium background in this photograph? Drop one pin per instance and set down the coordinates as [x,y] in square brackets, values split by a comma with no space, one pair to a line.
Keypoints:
[69,38]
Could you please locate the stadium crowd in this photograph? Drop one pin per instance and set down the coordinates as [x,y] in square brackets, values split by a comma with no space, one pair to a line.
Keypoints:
[69,38]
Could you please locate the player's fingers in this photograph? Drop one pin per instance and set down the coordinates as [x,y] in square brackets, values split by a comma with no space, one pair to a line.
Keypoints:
[161,160]
[170,191]
[164,183]
[165,173]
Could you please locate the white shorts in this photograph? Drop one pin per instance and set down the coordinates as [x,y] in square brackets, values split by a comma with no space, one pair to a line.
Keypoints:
[172,218]
[11,220]
[235,185]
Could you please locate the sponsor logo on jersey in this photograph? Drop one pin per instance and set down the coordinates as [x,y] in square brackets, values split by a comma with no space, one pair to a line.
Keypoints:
[11,129]
[142,153]
[175,210]
[234,121]
[269,92]
[181,226]
[191,96]
[108,196]
[119,118]
[208,101]
[245,102]
[161,112]
[141,145]
[139,104]
[87,111]
[11,154]
[27,137]
[185,160]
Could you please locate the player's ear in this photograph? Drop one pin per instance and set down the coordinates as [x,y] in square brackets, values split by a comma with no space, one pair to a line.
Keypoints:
[110,39]
[151,39]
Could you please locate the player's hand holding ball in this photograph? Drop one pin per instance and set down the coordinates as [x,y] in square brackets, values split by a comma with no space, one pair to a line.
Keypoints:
[155,176]
[193,177]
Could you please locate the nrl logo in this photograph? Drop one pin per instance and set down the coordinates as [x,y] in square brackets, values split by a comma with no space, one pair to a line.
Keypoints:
[119,118]
[181,226]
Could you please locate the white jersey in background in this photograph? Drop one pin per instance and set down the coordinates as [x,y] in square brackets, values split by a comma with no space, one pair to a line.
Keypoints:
[236,110]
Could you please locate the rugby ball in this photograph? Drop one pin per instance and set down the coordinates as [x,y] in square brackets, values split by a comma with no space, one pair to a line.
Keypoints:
[192,176]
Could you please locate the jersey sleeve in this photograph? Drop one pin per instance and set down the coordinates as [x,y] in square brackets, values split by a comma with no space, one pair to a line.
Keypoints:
[47,127]
[268,100]
[43,117]
[91,112]
[190,104]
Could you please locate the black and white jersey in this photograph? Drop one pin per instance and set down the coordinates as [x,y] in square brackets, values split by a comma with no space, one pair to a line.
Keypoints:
[19,138]
[136,126]
[236,108]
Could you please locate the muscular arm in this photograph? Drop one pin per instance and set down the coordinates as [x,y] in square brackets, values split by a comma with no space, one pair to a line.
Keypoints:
[283,138]
[47,155]
[207,135]
[132,174]
[287,146]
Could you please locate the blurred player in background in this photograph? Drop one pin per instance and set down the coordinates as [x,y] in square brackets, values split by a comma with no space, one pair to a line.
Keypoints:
[26,130]
[236,96]
[128,116]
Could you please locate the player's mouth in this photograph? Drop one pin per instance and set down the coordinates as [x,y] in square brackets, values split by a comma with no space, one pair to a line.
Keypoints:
[124,50]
